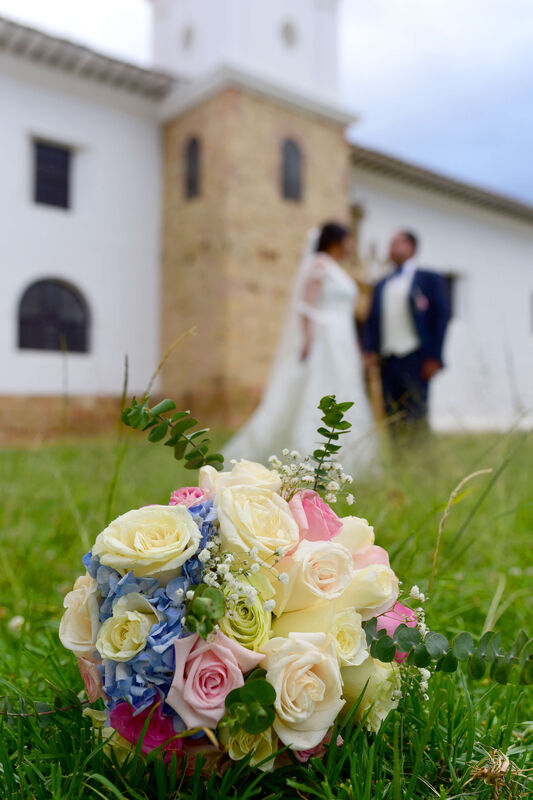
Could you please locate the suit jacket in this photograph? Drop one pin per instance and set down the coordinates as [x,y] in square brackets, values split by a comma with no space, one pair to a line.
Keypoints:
[429,305]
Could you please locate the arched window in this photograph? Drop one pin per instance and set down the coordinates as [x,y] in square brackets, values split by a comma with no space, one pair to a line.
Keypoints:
[291,171]
[193,156]
[53,316]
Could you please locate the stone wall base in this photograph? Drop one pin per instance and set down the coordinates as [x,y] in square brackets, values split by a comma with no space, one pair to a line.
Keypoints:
[24,418]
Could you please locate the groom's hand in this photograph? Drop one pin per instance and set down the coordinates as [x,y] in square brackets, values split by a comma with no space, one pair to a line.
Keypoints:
[370,361]
[430,367]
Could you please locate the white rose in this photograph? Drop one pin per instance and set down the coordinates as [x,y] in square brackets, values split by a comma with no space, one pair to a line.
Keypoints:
[355,534]
[244,473]
[124,635]
[345,627]
[304,671]
[153,541]
[381,693]
[80,623]
[372,591]
[317,571]
[261,746]
[251,517]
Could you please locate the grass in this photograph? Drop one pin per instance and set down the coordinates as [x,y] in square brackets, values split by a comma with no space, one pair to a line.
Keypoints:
[54,501]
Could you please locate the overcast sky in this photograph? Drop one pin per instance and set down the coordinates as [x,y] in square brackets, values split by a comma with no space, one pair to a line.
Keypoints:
[444,83]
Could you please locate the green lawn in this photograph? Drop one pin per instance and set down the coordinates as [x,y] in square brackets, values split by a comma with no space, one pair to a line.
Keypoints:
[54,501]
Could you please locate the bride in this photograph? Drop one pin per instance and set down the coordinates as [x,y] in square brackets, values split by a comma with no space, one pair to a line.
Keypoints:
[318,355]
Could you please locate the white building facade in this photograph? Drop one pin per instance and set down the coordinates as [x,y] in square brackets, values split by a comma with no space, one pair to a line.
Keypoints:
[82,194]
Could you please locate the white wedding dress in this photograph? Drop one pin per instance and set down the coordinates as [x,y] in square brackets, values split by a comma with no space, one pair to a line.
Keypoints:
[288,415]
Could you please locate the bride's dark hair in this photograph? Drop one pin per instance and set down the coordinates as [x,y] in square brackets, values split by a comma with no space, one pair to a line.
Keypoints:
[331,233]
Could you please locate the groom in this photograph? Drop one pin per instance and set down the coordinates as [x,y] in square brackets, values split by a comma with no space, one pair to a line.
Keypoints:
[404,332]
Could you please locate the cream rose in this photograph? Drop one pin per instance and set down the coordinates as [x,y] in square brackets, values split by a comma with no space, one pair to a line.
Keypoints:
[124,635]
[345,627]
[80,622]
[355,534]
[382,692]
[244,473]
[261,746]
[255,518]
[304,671]
[372,591]
[153,541]
[317,571]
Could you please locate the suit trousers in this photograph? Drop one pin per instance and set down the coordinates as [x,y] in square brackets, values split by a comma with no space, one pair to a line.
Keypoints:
[404,389]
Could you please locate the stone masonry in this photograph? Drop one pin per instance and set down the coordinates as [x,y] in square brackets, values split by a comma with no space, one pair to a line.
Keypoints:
[230,254]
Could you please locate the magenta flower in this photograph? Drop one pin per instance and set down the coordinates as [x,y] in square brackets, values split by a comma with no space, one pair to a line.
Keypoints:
[390,620]
[160,728]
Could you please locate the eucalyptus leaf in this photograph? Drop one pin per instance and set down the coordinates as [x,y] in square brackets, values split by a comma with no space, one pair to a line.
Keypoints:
[463,646]
[436,644]
[476,666]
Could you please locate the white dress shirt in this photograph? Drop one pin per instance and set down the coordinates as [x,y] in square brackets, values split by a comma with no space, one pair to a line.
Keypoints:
[398,332]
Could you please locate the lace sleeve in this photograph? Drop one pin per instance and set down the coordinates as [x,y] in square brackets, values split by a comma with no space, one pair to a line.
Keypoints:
[307,302]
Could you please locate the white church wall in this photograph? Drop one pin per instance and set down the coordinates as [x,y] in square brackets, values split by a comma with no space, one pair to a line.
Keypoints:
[106,244]
[292,42]
[488,382]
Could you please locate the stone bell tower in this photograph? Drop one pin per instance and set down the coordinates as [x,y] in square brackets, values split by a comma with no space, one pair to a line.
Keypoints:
[254,155]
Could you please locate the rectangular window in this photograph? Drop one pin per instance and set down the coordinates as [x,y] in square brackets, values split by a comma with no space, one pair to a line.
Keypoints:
[52,174]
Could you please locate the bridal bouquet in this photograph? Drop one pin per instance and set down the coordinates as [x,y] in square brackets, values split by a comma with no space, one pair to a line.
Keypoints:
[245,618]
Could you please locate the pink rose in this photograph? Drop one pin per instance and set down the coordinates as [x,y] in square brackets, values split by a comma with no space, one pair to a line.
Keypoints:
[370,555]
[160,728]
[91,678]
[319,751]
[205,673]
[315,519]
[392,619]
[187,496]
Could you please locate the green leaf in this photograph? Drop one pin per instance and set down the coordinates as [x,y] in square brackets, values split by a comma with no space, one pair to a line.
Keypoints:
[194,462]
[342,426]
[327,433]
[184,425]
[180,448]
[256,674]
[159,432]
[526,674]
[383,649]
[260,722]
[476,666]
[344,406]
[217,599]
[484,643]
[332,418]
[233,697]
[448,662]
[519,643]
[406,638]
[259,691]
[463,646]
[421,656]
[436,644]
[162,407]
[500,670]
[371,630]
[179,415]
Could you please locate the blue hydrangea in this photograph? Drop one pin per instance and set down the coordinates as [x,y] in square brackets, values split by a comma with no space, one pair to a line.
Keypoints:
[148,676]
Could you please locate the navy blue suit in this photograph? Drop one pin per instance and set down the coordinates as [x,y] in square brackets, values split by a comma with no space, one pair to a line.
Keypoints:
[404,387]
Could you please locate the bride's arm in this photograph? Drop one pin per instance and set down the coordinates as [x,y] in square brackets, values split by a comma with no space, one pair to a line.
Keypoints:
[310,297]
